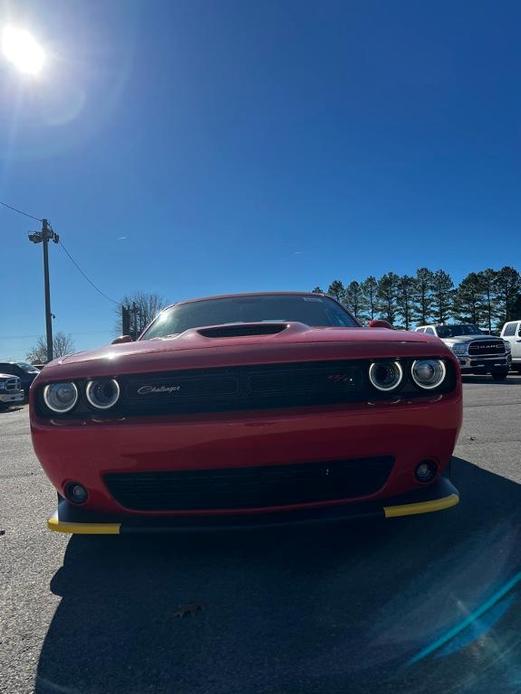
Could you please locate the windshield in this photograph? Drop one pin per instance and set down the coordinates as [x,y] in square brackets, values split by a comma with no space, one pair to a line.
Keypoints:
[457,330]
[27,367]
[312,310]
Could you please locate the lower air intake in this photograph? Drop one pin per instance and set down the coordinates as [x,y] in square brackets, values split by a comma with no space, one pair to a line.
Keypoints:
[249,487]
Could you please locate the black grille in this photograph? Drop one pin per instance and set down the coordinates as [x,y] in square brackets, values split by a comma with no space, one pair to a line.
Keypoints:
[250,487]
[271,385]
[264,386]
[485,348]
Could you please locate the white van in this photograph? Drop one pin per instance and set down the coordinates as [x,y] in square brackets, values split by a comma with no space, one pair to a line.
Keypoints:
[511,332]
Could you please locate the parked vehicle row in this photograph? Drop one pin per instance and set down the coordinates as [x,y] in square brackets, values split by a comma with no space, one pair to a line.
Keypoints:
[477,353]
[11,391]
[23,373]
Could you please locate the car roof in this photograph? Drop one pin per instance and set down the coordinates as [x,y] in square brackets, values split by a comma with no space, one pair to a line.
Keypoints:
[246,294]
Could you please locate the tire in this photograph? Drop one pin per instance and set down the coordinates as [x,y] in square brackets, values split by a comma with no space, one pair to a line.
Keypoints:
[499,375]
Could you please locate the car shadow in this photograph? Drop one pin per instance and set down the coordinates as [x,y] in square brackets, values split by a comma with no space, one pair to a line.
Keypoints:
[10,409]
[428,602]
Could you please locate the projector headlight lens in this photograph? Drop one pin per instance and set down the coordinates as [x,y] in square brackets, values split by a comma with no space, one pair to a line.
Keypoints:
[459,348]
[385,375]
[102,393]
[428,373]
[60,397]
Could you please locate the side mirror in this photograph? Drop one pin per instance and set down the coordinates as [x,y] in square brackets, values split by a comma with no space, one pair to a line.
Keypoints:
[121,339]
[380,324]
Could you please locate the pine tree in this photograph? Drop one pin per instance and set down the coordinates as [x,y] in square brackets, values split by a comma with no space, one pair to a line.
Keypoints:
[354,299]
[404,300]
[336,290]
[507,285]
[422,295]
[369,290]
[469,299]
[442,293]
[387,295]
[487,279]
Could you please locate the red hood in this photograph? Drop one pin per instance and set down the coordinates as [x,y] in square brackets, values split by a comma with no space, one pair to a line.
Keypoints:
[191,350]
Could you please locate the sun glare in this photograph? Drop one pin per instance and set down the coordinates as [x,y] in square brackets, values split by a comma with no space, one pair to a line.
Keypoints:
[21,49]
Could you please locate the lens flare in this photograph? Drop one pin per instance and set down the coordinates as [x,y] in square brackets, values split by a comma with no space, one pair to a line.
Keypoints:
[21,49]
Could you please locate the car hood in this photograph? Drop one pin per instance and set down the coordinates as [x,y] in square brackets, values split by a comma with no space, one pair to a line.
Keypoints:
[460,339]
[193,350]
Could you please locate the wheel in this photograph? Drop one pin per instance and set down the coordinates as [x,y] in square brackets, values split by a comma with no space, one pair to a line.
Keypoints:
[499,375]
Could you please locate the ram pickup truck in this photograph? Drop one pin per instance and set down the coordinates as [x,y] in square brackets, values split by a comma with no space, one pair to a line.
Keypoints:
[476,352]
[26,373]
[10,390]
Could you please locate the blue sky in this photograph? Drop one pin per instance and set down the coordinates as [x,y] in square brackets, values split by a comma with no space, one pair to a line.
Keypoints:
[192,148]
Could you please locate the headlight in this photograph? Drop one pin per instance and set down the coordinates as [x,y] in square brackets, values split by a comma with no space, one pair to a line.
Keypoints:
[385,375]
[459,348]
[508,346]
[102,393]
[428,373]
[60,397]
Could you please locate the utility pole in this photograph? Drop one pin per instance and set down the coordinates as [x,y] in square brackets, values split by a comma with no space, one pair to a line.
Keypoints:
[44,236]
[135,312]
[125,320]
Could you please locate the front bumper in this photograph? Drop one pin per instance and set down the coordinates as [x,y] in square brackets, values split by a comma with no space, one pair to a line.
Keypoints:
[9,398]
[87,451]
[476,364]
[437,497]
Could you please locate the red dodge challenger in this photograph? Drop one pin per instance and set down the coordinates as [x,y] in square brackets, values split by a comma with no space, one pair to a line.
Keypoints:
[244,410]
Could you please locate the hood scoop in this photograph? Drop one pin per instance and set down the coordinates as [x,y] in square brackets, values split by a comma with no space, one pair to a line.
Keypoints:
[243,329]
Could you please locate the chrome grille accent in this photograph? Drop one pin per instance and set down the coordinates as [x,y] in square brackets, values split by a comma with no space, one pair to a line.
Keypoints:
[486,348]
[12,385]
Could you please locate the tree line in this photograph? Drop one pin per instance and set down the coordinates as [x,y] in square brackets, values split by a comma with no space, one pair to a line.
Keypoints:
[487,298]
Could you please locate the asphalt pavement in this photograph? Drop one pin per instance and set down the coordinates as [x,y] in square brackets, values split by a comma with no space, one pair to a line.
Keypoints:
[419,604]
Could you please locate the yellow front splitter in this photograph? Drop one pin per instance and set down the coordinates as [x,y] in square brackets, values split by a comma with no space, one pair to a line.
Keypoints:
[421,507]
[437,497]
[54,523]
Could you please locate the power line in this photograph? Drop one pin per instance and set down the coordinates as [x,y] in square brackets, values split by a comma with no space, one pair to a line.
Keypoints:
[74,333]
[26,214]
[118,303]
[37,219]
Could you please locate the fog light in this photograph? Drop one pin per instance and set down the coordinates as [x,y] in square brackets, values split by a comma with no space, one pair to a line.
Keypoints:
[76,493]
[426,471]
